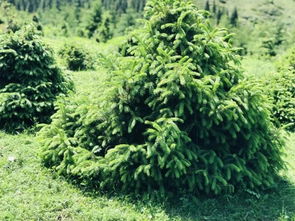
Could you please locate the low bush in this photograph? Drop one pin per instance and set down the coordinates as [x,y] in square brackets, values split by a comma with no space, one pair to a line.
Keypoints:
[177,117]
[283,92]
[76,57]
[284,99]
[29,80]
[287,62]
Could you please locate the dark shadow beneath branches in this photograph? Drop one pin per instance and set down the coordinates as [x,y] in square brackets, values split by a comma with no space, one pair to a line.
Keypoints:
[274,204]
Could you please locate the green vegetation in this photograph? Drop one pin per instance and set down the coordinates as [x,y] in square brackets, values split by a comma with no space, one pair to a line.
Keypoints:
[284,91]
[29,80]
[120,6]
[76,57]
[168,120]
[128,46]
[284,99]
[163,127]
[263,28]
[95,20]
[104,31]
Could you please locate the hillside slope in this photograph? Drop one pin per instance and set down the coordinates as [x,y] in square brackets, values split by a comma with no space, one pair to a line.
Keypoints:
[257,10]
[264,27]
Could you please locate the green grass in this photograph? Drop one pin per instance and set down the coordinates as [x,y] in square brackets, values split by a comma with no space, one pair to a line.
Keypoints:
[90,44]
[258,67]
[30,192]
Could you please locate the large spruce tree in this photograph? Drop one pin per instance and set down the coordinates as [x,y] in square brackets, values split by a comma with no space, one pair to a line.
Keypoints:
[181,118]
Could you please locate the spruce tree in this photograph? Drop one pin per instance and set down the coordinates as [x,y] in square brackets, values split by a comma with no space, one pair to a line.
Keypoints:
[30,81]
[234,17]
[104,31]
[218,16]
[214,8]
[77,11]
[94,20]
[37,23]
[282,88]
[279,36]
[180,117]
[207,6]
[121,6]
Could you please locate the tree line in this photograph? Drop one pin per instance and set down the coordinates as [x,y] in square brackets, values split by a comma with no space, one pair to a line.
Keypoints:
[117,5]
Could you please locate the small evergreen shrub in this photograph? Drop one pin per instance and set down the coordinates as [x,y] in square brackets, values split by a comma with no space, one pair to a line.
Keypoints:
[76,57]
[37,24]
[287,62]
[95,19]
[283,92]
[104,33]
[284,99]
[29,80]
[177,117]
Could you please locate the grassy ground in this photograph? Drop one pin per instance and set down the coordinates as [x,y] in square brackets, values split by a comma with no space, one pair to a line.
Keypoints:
[30,192]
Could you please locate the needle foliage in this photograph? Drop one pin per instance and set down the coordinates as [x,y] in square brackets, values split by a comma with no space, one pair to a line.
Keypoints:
[29,80]
[178,117]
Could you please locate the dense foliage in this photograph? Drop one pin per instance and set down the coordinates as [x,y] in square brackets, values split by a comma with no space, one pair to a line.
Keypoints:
[95,20]
[283,92]
[104,33]
[284,99]
[177,117]
[29,80]
[118,5]
[128,46]
[76,57]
